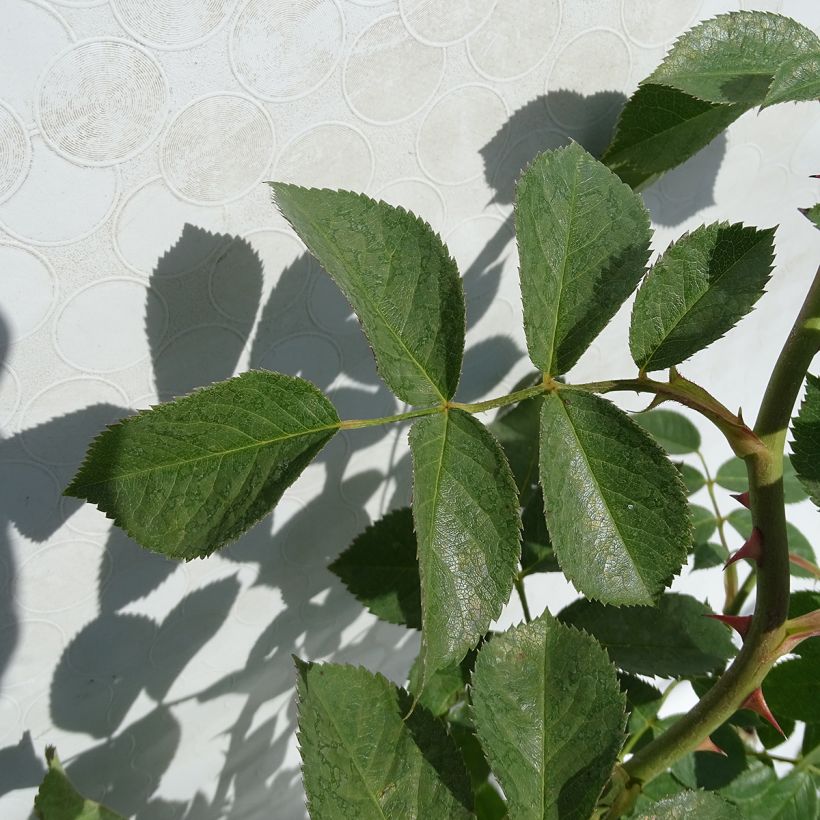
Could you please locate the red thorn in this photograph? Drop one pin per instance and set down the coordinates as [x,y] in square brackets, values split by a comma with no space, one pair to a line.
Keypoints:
[709,745]
[740,623]
[756,703]
[742,498]
[814,176]
[752,549]
[740,415]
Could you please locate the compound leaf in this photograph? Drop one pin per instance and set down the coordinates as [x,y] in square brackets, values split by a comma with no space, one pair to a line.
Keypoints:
[367,756]
[400,279]
[806,444]
[57,799]
[381,570]
[465,508]
[673,431]
[733,57]
[688,804]
[616,506]
[661,127]
[535,688]
[583,239]
[795,79]
[673,640]
[697,291]
[188,476]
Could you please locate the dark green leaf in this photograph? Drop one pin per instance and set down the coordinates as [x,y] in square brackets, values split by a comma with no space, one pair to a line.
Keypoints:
[465,508]
[660,128]
[400,279]
[709,554]
[697,291]
[704,522]
[517,433]
[812,214]
[707,770]
[366,755]
[733,57]
[792,689]
[673,640]
[583,239]
[445,688]
[673,431]
[806,444]
[187,477]
[643,701]
[380,568]
[693,479]
[537,554]
[659,788]
[795,79]
[760,795]
[691,804]
[741,520]
[534,690]
[57,799]
[616,507]
[732,476]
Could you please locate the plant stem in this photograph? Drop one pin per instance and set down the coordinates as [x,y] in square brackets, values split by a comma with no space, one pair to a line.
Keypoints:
[764,465]
[522,594]
[742,594]
[356,424]
[501,401]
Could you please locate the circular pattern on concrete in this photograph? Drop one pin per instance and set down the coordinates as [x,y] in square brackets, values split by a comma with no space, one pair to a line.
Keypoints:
[419,197]
[217,148]
[580,66]
[284,49]
[15,151]
[101,101]
[43,210]
[40,643]
[172,24]
[455,130]
[331,155]
[101,327]
[9,393]
[650,24]
[390,75]
[28,290]
[516,38]
[444,22]
[151,221]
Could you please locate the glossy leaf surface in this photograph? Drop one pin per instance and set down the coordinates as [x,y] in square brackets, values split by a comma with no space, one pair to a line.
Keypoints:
[400,279]
[465,509]
[187,477]
[615,504]
[697,291]
[534,690]
[583,240]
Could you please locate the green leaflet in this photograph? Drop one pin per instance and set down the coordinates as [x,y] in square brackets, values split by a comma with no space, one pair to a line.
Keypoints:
[795,79]
[760,795]
[661,127]
[693,479]
[792,689]
[400,279]
[812,214]
[583,239]
[732,475]
[690,804]
[806,444]
[366,755]
[188,476]
[741,520]
[704,522]
[697,291]
[733,57]
[615,504]
[381,570]
[709,554]
[57,799]
[673,640]
[465,508]
[535,690]
[673,431]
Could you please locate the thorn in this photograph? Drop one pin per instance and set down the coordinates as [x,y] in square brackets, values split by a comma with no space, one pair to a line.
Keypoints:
[756,703]
[814,176]
[709,745]
[740,623]
[751,550]
[742,498]
[740,415]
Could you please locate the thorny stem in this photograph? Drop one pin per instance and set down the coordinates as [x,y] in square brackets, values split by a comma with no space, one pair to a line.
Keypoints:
[762,645]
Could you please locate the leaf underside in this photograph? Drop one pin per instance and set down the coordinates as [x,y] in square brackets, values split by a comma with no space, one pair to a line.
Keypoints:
[188,476]
[535,688]
[364,760]
[583,239]
[400,279]
[673,640]
[616,506]
[465,508]
[697,291]
[806,444]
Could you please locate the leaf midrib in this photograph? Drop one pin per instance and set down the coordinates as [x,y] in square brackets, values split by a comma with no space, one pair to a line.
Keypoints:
[711,286]
[257,445]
